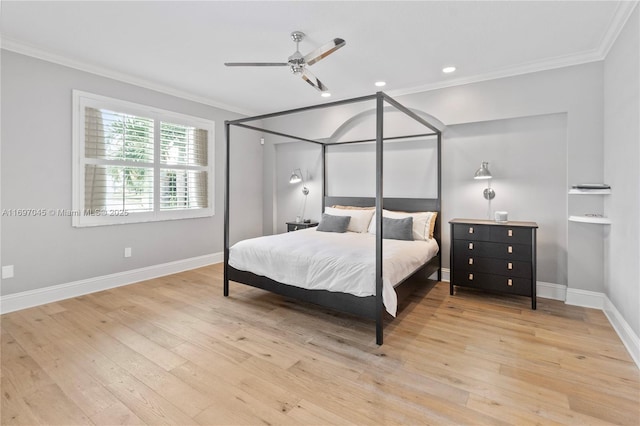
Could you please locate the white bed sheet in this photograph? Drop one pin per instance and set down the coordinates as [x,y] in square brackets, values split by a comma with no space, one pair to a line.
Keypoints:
[339,262]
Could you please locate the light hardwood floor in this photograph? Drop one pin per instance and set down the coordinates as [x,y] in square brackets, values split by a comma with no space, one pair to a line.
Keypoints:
[174,351]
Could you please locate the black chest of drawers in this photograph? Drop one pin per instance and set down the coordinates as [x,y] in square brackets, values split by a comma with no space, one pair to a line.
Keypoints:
[499,257]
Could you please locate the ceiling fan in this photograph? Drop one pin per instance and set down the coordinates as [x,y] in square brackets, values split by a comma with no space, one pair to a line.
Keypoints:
[298,63]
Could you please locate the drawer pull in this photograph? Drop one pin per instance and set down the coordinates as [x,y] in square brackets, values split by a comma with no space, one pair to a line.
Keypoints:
[470,246]
[509,249]
[509,266]
[510,233]
[471,229]
[470,277]
[509,282]
[471,261]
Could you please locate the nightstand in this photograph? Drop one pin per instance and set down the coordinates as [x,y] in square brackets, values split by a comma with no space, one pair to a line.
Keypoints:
[499,257]
[296,226]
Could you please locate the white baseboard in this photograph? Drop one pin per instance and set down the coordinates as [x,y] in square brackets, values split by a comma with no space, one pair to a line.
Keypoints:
[445,275]
[28,299]
[620,325]
[585,298]
[551,291]
[596,300]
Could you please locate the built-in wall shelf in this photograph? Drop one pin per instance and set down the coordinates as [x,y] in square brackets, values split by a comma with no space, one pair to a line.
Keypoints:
[591,219]
[574,191]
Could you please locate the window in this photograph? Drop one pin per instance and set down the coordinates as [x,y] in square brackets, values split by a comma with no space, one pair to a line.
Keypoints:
[134,163]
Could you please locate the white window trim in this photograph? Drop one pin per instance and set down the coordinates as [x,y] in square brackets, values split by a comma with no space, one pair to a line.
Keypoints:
[80,101]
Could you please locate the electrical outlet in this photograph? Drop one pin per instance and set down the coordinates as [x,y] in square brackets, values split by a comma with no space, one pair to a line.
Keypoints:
[7,271]
[127,252]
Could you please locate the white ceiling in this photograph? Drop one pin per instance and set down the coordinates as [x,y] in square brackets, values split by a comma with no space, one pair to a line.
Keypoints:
[180,47]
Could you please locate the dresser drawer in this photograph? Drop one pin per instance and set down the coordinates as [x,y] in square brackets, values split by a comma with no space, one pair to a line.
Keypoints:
[471,232]
[469,248]
[499,283]
[512,268]
[512,235]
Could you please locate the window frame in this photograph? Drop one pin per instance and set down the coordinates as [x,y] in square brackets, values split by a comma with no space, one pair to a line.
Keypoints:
[83,99]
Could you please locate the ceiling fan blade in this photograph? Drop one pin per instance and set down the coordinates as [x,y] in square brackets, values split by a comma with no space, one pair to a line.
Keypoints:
[324,51]
[256,64]
[313,80]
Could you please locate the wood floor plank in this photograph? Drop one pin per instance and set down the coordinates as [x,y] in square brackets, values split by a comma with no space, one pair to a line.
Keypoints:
[71,370]
[51,406]
[20,368]
[14,410]
[148,405]
[137,365]
[306,412]
[173,350]
[117,414]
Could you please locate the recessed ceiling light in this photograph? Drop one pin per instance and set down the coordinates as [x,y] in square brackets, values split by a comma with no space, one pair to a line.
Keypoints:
[448,69]
[380,83]
[325,94]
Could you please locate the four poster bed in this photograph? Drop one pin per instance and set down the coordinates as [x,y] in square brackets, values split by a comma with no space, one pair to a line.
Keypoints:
[339,270]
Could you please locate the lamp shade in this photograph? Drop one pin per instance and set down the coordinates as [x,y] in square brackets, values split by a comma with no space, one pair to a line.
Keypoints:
[295,177]
[483,172]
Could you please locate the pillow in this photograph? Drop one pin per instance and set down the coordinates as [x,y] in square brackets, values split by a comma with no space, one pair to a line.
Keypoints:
[423,223]
[397,229]
[359,218]
[330,223]
[432,224]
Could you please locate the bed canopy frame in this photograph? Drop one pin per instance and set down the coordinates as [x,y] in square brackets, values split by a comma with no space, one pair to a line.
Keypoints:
[371,306]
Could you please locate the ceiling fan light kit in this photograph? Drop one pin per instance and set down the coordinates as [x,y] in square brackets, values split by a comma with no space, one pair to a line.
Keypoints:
[298,63]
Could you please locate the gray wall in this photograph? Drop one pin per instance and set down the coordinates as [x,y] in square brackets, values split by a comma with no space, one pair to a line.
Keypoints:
[622,171]
[570,101]
[410,169]
[36,173]
[575,91]
[290,200]
[527,158]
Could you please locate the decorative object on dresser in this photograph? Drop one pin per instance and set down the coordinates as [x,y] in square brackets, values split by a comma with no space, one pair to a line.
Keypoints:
[499,257]
[296,226]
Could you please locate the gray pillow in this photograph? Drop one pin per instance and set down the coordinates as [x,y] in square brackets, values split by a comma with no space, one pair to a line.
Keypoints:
[397,229]
[330,223]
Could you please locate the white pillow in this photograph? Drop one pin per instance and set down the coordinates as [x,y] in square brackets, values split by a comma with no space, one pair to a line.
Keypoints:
[421,223]
[359,218]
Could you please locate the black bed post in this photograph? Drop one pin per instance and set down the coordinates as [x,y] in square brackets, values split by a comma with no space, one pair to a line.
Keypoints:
[379,168]
[324,175]
[227,129]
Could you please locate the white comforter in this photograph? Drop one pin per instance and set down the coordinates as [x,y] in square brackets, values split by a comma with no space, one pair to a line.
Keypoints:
[340,262]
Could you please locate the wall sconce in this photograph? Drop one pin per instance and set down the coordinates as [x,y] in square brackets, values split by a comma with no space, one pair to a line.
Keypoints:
[484,173]
[296,176]
[489,194]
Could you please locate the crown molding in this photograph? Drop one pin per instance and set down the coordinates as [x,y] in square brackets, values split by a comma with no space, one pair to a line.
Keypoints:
[16,46]
[554,63]
[620,17]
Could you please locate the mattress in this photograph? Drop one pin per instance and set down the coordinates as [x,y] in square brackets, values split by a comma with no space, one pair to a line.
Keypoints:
[338,262]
